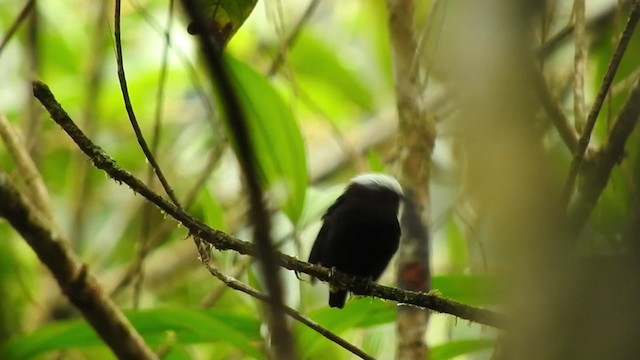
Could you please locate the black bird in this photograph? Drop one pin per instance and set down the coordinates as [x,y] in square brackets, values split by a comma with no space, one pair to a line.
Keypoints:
[360,232]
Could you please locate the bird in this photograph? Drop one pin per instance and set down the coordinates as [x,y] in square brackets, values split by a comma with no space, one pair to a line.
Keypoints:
[360,232]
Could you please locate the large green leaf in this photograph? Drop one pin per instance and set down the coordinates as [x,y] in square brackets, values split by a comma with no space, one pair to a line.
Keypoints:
[456,348]
[275,136]
[189,326]
[315,59]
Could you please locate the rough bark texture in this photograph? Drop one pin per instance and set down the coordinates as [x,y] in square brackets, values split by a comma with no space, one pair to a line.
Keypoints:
[416,140]
[72,276]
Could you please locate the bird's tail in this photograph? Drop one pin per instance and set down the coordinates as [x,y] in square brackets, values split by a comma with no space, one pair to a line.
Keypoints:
[337,298]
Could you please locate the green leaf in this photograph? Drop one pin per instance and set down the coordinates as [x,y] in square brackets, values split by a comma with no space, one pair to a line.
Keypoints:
[275,136]
[357,313]
[188,326]
[456,348]
[209,209]
[469,289]
[314,59]
[224,17]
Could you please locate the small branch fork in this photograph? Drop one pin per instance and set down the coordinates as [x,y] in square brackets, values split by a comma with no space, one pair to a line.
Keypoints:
[585,136]
[223,241]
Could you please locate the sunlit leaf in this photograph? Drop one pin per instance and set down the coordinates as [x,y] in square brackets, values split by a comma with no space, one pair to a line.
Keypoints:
[276,139]
[332,70]
[209,209]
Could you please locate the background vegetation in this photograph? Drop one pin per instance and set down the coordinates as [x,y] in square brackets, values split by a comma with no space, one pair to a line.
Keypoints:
[316,82]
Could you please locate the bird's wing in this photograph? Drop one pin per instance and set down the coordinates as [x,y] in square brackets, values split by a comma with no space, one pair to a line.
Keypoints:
[333,207]
[322,240]
[315,257]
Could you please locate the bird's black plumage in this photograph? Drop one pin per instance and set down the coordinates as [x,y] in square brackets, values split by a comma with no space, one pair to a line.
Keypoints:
[360,231]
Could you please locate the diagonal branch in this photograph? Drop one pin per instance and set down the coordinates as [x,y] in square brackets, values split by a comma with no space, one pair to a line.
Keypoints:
[38,193]
[223,241]
[597,174]
[242,287]
[72,276]
[583,141]
[291,38]
[16,24]
[554,110]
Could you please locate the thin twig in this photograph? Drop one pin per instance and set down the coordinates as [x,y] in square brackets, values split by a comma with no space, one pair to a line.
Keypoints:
[73,277]
[233,283]
[130,112]
[293,35]
[28,170]
[282,339]
[144,244]
[554,42]
[33,115]
[347,147]
[166,227]
[223,241]
[624,84]
[216,293]
[184,59]
[596,175]
[583,141]
[95,75]
[579,64]
[16,23]
[554,110]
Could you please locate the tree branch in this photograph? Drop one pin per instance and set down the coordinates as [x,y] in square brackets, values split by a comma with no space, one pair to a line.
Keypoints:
[598,170]
[132,116]
[291,38]
[72,276]
[242,287]
[583,141]
[38,193]
[554,110]
[416,139]
[223,241]
[16,24]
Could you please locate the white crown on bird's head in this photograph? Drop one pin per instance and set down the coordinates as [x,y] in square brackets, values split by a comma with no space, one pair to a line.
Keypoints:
[378,180]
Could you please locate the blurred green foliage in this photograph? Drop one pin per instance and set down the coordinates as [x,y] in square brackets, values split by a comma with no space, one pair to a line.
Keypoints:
[335,78]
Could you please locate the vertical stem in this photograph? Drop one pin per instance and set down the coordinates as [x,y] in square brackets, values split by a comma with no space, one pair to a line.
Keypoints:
[32,127]
[416,138]
[579,64]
